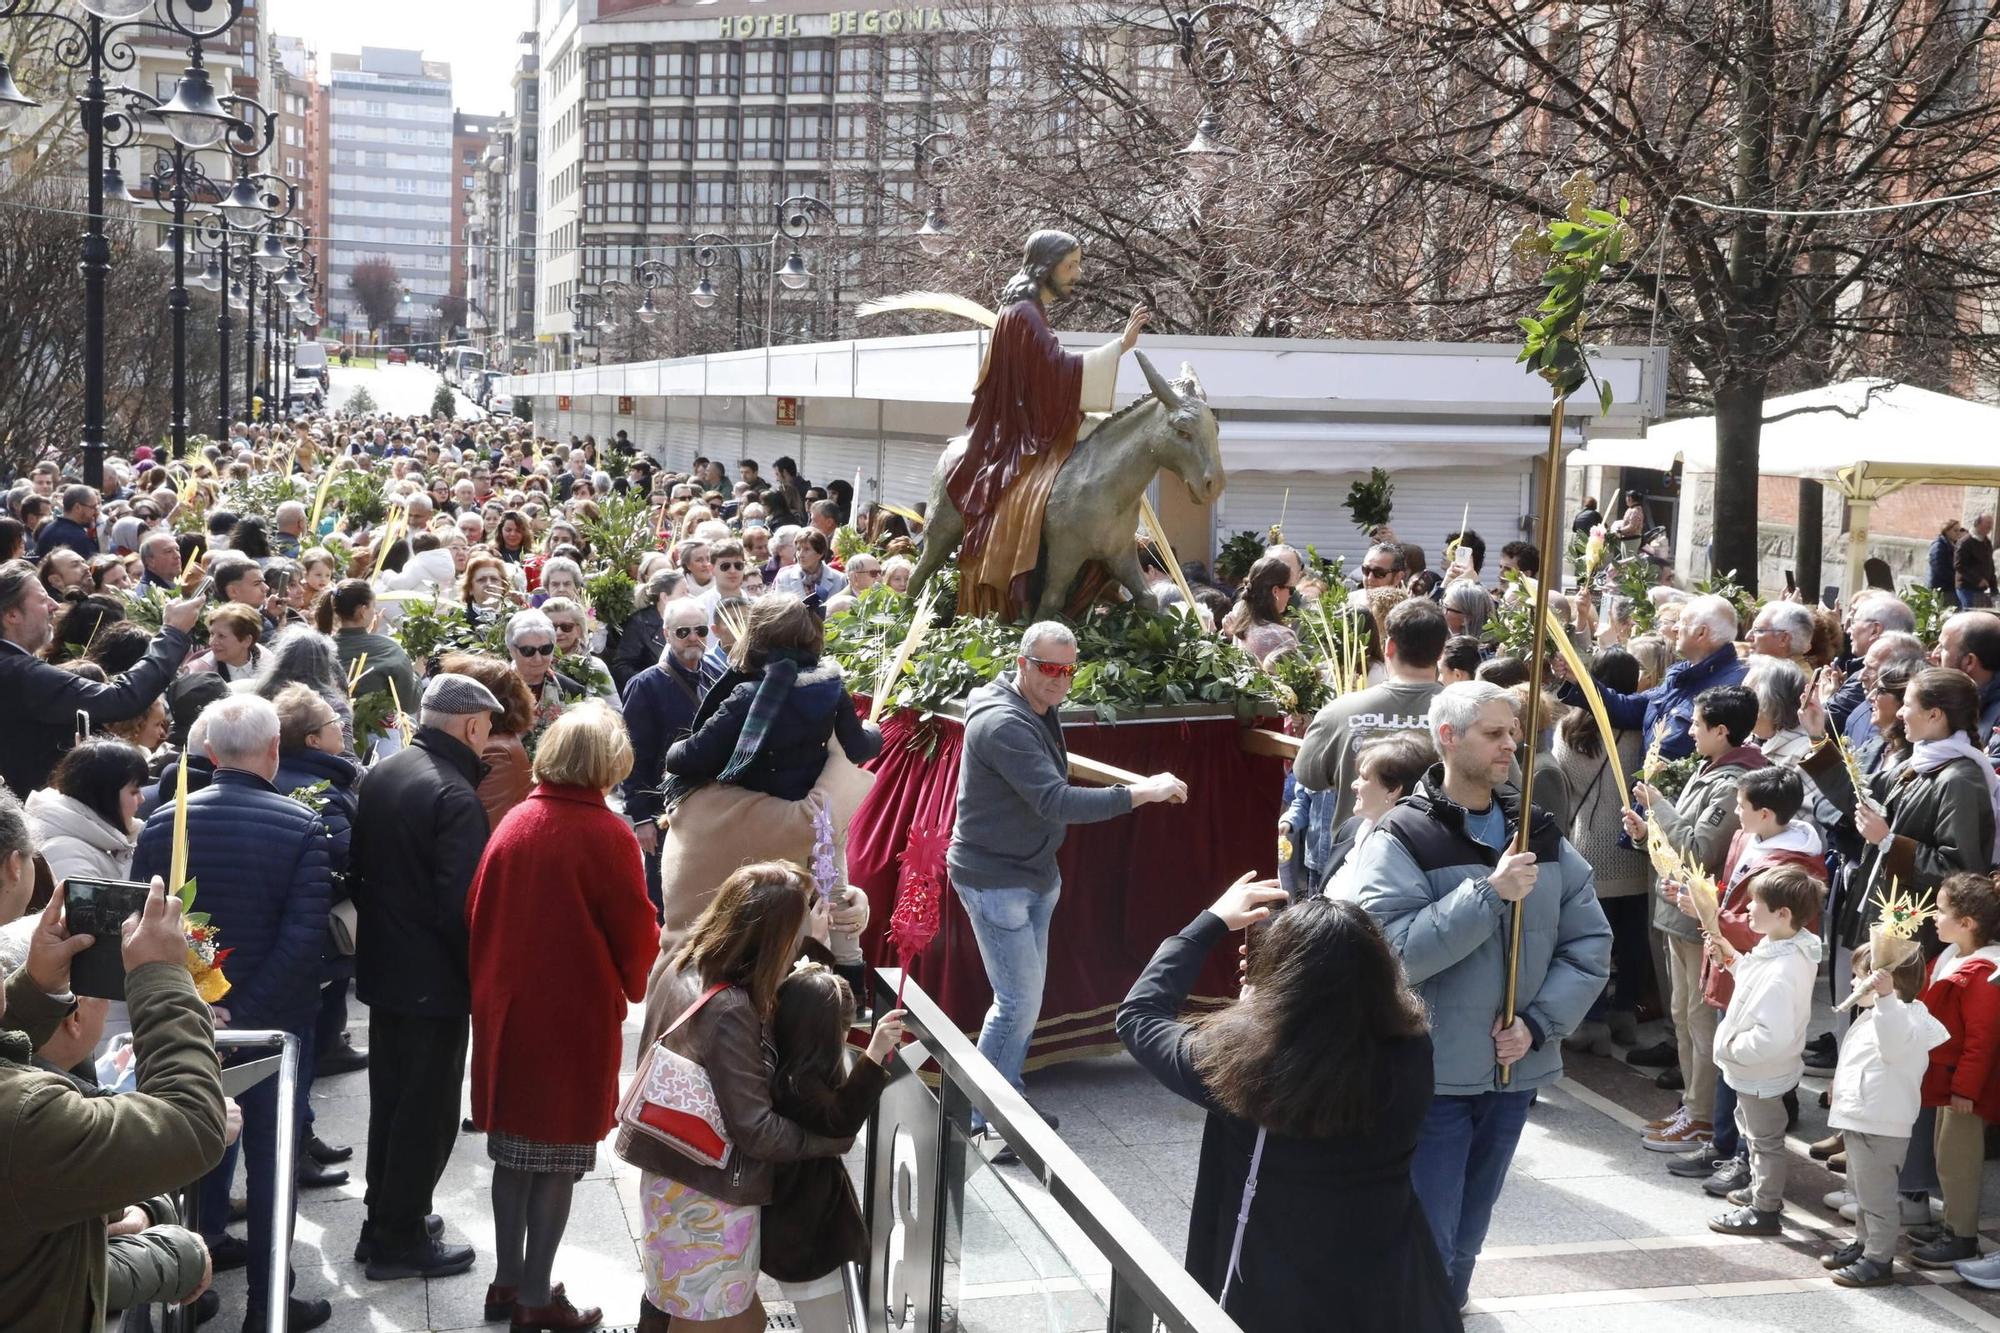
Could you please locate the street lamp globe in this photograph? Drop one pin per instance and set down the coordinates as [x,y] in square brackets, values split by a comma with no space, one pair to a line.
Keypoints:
[193,117]
[243,206]
[291,284]
[211,277]
[647,312]
[113,10]
[795,275]
[238,298]
[13,102]
[935,234]
[703,294]
[271,256]
[115,193]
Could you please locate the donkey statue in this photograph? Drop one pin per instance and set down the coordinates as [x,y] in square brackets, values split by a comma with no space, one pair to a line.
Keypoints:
[1093,509]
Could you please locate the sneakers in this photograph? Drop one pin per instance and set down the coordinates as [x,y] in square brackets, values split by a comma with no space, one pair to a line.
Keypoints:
[1697,1165]
[1865,1272]
[1678,1116]
[1909,1212]
[1746,1221]
[1981,1272]
[1660,1055]
[1946,1251]
[1730,1177]
[1841,1257]
[1826,1147]
[431,1258]
[1689,1133]
[1838,1200]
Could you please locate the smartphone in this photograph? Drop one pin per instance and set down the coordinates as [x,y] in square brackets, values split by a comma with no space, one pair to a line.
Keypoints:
[1791,581]
[277,581]
[99,908]
[204,589]
[1829,596]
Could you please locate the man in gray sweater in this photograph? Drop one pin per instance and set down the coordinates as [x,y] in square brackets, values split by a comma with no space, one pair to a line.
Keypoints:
[1015,800]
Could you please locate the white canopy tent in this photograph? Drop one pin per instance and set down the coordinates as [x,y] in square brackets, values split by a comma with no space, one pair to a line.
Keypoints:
[1864,438]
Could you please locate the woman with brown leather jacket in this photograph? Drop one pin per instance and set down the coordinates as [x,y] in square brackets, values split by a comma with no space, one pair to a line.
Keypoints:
[701,1242]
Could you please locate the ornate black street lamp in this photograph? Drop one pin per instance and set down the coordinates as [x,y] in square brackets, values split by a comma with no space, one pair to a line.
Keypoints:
[99,43]
[934,153]
[1216,42]
[796,216]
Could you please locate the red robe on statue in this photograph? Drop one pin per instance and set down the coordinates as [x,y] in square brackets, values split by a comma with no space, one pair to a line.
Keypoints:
[1026,410]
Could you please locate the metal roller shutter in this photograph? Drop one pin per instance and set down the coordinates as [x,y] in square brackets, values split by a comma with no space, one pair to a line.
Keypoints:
[683,442]
[829,457]
[1424,507]
[906,471]
[765,444]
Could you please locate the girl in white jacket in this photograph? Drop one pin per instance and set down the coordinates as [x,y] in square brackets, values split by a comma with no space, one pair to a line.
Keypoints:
[1876,1096]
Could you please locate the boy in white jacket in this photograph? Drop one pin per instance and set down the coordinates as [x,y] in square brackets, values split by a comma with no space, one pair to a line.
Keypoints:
[1877,1091]
[1761,1041]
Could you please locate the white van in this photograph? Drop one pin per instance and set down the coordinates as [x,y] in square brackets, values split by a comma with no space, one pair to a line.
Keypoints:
[311,361]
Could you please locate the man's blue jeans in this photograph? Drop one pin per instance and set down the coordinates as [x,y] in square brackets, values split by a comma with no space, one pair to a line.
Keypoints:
[1463,1152]
[1012,926]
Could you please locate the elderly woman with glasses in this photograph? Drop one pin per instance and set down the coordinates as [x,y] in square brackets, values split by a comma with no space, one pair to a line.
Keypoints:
[1467,608]
[572,626]
[531,649]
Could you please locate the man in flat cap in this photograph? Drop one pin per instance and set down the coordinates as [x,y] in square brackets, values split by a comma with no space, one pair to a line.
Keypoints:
[418,835]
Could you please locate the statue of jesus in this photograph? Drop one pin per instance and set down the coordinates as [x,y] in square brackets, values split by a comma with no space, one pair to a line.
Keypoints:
[1027,410]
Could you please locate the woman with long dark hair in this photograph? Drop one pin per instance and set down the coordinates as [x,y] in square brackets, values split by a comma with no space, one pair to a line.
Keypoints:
[1257,619]
[711,1002]
[346,613]
[1316,1082]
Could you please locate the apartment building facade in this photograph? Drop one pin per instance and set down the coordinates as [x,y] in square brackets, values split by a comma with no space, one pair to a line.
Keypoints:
[391,183]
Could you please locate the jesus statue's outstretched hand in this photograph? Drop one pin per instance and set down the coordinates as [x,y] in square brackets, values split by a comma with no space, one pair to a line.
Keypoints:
[1134,325]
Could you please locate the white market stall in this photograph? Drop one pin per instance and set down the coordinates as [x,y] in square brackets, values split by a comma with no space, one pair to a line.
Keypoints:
[1863,438]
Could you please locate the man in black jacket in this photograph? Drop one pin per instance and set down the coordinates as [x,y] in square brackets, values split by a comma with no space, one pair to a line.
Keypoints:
[419,831]
[39,703]
[76,529]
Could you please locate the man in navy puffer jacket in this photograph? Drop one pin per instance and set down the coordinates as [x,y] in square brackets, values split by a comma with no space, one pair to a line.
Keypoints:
[260,864]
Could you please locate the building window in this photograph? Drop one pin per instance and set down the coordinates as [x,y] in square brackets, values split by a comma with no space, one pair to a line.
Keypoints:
[625,199]
[805,133]
[900,133]
[811,68]
[623,137]
[860,68]
[760,70]
[673,72]
[715,136]
[850,134]
[464,181]
[720,71]
[625,71]
[595,134]
[906,69]
[593,201]
[757,195]
[714,199]
[761,134]
[853,200]
[672,136]
[667,202]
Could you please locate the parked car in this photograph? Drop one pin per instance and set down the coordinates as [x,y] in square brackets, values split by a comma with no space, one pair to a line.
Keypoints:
[500,404]
[310,361]
[397,357]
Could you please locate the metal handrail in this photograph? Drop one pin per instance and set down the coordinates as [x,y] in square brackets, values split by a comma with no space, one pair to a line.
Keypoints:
[285,1065]
[1137,1259]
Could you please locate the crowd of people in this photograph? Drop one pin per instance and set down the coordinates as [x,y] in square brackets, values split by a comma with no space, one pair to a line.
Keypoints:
[428,725]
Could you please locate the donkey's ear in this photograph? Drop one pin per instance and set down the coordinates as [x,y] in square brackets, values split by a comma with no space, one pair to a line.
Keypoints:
[1189,383]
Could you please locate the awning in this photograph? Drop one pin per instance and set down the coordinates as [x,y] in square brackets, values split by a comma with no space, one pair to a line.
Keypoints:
[1341,446]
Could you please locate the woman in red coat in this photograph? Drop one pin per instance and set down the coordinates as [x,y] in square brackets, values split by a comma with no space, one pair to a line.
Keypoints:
[563,936]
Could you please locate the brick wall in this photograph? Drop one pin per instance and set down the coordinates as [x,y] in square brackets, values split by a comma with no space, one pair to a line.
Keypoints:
[1914,511]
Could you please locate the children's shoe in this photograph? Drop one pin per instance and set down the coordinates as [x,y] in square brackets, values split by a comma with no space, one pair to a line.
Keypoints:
[1826,1147]
[1981,1272]
[1746,1221]
[1690,1133]
[1838,1200]
[1841,1257]
[1731,1176]
[1909,1212]
[1945,1251]
[1865,1272]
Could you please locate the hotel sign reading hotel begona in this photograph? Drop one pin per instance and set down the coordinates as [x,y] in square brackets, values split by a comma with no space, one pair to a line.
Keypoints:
[841,23]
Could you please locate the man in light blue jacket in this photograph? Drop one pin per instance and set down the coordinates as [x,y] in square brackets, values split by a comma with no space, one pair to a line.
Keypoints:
[1444,887]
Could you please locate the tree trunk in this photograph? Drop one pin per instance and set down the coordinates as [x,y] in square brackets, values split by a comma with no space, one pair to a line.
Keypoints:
[1739,423]
[1806,544]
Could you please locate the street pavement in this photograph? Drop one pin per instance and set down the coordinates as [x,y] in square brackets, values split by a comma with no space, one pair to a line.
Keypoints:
[398,390]
[1590,1234]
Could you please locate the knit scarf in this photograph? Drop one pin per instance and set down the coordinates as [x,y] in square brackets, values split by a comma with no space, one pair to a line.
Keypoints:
[1930,756]
[780,674]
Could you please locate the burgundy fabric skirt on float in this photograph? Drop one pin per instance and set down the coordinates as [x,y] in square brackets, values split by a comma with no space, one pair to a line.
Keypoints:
[1127,883]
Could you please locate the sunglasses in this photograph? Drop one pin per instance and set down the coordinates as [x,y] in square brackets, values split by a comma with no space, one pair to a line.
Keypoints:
[1372,572]
[535,650]
[682,631]
[727,565]
[1054,670]
[566,627]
